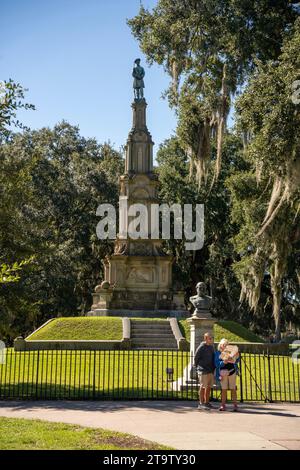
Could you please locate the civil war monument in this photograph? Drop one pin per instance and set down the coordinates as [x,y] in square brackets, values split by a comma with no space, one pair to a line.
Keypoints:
[138,275]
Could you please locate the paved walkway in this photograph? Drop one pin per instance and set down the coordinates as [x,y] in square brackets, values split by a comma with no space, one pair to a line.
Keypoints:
[176,424]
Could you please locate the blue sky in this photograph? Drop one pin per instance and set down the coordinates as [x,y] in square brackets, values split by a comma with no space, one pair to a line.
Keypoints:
[76,58]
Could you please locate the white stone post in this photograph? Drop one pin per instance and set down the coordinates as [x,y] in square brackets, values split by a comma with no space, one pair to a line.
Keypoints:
[199,326]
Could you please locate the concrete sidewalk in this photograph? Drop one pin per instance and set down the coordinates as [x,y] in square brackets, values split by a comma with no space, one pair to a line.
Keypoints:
[176,424]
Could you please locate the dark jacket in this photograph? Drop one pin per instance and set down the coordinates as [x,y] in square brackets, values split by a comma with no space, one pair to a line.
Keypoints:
[204,360]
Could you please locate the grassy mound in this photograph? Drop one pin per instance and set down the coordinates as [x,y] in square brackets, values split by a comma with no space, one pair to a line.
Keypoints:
[110,328]
[226,329]
[84,328]
[25,434]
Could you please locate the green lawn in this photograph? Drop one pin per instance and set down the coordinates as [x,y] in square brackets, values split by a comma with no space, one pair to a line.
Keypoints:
[134,375]
[226,329]
[89,328]
[25,434]
[90,374]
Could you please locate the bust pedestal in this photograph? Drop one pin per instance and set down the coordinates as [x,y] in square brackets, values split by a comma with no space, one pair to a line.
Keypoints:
[200,322]
[199,326]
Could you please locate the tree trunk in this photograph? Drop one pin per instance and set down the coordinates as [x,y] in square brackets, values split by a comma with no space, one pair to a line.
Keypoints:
[276,312]
[276,276]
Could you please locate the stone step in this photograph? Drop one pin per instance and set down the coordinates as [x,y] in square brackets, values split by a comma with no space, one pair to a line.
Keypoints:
[162,331]
[162,321]
[152,335]
[152,332]
[159,331]
[143,348]
[149,321]
[144,345]
[155,326]
[161,341]
[154,339]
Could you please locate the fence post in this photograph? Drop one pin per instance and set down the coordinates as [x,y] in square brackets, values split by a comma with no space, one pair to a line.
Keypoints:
[270,378]
[241,378]
[37,374]
[94,376]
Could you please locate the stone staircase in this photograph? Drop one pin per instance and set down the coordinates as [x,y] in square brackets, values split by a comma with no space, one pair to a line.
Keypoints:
[152,335]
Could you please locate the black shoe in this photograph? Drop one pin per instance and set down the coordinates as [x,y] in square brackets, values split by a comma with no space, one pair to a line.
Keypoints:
[207,406]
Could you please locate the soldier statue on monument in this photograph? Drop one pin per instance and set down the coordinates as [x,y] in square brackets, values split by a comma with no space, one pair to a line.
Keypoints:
[138,84]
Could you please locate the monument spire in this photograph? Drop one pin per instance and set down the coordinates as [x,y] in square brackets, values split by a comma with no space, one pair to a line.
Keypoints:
[139,148]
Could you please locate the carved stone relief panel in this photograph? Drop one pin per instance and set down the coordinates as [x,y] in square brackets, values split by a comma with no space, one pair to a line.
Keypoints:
[140,275]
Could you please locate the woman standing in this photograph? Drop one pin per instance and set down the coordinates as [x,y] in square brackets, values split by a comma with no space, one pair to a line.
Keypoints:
[226,372]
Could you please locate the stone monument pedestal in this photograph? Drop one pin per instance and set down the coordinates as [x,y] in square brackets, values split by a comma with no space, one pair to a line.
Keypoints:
[137,278]
[200,322]
[199,326]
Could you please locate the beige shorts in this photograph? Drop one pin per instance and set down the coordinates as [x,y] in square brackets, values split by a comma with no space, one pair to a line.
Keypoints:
[206,380]
[228,382]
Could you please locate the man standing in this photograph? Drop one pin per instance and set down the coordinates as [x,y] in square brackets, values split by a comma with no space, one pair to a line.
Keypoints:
[205,366]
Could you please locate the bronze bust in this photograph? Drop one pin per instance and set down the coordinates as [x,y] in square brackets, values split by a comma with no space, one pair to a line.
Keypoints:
[201,301]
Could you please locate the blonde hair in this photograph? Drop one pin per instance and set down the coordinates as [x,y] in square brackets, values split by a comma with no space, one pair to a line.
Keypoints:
[223,342]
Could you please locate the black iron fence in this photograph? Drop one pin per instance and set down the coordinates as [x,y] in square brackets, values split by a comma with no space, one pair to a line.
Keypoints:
[139,374]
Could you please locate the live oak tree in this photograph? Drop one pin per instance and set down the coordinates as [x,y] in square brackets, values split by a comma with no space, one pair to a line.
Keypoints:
[53,181]
[213,263]
[209,47]
[12,97]
[227,210]
[266,199]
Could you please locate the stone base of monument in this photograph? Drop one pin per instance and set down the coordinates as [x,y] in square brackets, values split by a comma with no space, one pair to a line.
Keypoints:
[138,302]
[188,382]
